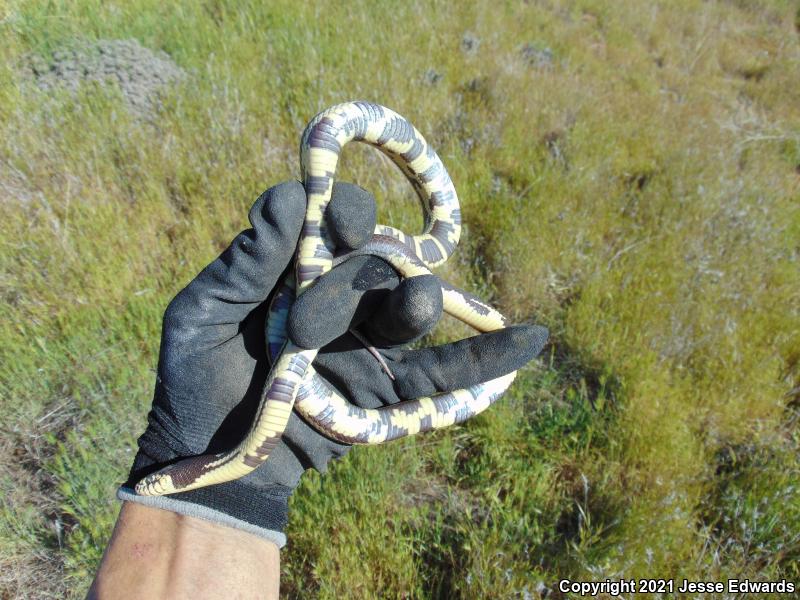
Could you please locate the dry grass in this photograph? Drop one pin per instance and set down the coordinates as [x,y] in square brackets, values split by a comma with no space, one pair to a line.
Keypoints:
[629,174]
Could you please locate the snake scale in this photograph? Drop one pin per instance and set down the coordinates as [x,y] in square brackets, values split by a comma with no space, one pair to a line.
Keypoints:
[292,382]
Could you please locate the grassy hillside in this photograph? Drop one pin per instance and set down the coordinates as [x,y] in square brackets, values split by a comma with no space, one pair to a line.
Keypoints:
[629,175]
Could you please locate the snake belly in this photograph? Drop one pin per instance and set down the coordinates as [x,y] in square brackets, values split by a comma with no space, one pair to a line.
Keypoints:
[291,373]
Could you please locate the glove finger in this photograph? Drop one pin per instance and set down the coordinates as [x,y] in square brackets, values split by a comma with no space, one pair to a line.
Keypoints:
[360,378]
[467,362]
[340,300]
[410,311]
[365,288]
[354,372]
[351,215]
[228,289]
[243,276]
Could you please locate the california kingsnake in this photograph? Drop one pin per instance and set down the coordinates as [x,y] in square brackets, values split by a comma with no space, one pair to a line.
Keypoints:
[292,382]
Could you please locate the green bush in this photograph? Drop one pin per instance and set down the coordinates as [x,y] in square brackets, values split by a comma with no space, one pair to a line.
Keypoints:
[628,174]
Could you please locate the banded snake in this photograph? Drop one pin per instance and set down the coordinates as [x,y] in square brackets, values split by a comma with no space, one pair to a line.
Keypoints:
[292,382]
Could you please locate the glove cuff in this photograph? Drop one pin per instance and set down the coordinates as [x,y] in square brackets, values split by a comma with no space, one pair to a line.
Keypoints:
[227,506]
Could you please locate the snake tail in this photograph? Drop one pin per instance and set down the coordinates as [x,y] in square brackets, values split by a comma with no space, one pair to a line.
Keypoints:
[320,148]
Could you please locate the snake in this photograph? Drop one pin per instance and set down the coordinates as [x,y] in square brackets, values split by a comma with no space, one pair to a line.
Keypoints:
[292,382]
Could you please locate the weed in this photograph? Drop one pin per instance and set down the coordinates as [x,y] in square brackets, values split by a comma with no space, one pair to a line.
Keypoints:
[628,177]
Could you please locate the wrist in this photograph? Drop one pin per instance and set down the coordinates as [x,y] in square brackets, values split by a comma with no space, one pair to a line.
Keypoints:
[163,554]
[259,512]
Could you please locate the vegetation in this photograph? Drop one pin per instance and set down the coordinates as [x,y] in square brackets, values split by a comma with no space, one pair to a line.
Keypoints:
[629,174]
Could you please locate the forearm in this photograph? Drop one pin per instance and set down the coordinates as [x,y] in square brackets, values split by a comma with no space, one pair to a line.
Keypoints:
[155,553]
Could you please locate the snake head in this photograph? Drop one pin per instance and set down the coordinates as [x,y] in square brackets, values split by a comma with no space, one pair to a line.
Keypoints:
[157,484]
[184,475]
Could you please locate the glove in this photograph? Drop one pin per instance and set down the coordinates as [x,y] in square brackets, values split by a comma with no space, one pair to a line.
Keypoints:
[213,362]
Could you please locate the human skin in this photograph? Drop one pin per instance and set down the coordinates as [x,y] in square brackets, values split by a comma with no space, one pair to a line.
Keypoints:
[156,554]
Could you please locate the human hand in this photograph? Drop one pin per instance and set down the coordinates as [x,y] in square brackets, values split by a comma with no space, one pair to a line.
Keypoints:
[212,364]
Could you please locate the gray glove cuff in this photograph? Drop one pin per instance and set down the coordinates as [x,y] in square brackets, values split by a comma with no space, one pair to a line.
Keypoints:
[200,511]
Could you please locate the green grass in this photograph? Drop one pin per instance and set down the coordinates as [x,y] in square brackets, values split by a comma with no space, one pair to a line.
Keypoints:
[639,196]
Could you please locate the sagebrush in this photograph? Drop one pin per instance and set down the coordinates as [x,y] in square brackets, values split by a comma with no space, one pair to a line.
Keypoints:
[629,175]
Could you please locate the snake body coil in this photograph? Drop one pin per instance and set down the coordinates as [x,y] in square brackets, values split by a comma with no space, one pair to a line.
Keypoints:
[292,380]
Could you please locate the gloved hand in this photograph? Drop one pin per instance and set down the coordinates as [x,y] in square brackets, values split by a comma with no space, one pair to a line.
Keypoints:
[213,365]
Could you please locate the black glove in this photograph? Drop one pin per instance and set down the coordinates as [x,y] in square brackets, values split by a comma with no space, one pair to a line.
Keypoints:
[213,364]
